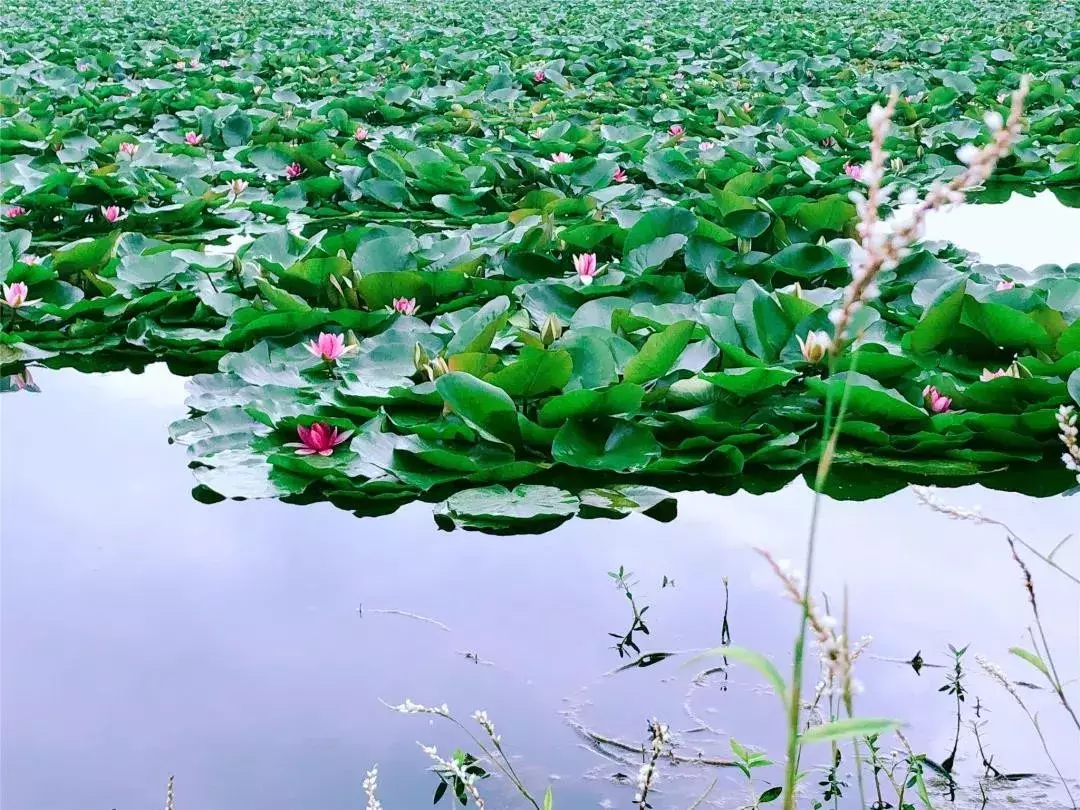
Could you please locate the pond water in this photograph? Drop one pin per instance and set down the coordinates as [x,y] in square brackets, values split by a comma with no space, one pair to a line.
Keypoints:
[245,646]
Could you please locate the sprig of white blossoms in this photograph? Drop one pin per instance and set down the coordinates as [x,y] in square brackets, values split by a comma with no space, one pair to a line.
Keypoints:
[885,243]
[481,717]
[927,497]
[454,767]
[660,736]
[371,785]
[408,707]
[1066,419]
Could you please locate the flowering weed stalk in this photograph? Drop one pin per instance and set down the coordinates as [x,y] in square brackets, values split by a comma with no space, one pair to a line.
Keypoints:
[496,754]
[884,244]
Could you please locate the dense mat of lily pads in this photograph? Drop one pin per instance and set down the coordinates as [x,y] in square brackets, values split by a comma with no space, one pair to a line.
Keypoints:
[531,258]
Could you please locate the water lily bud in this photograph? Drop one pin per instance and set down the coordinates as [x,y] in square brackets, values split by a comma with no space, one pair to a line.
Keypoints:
[420,357]
[436,368]
[743,245]
[897,165]
[551,330]
[815,346]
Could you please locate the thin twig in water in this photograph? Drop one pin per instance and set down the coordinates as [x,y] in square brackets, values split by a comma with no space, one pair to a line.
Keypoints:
[998,674]
[406,614]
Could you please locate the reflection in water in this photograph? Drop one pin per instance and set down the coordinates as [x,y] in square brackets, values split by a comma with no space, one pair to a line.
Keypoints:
[146,634]
[1024,231]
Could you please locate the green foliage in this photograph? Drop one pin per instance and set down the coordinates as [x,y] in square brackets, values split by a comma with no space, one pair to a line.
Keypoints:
[678,365]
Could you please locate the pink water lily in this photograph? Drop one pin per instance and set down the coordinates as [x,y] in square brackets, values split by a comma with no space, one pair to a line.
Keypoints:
[585,265]
[15,211]
[828,143]
[319,439]
[854,171]
[619,176]
[112,212]
[561,157]
[193,139]
[539,76]
[1004,285]
[747,106]
[293,170]
[15,295]
[705,146]
[329,347]
[936,402]
[181,64]
[128,148]
[237,186]
[1011,370]
[194,62]
[676,130]
[404,306]
[361,134]
[24,381]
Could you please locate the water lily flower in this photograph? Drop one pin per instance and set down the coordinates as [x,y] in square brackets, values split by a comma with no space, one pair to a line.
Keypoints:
[361,134]
[828,143]
[935,401]
[181,64]
[561,157]
[112,213]
[747,106]
[854,171]
[128,149]
[329,347]
[585,265]
[293,170]
[193,139]
[221,62]
[15,295]
[705,146]
[897,165]
[537,134]
[404,306]
[15,211]
[619,176]
[676,130]
[24,381]
[237,186]
[194,62]
[539,76]
[1012,370]
[319,439]
[1004,285]
[815,346]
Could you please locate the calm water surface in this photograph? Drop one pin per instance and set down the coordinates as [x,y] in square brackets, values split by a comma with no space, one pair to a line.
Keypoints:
[242,646]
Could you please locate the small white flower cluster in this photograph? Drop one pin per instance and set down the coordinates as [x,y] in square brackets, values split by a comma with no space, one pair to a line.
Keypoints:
[998,674]
[408,707]
[1066,419]
[453,767]
[371,784]
[927,497]
[481,717]
[838,661]
[659,736]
